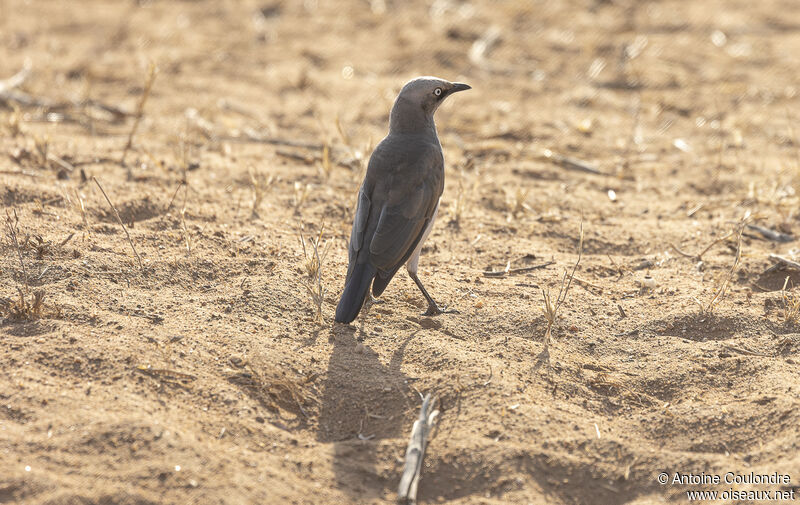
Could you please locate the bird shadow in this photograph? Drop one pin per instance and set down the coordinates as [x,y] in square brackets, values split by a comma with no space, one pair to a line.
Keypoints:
[363,402]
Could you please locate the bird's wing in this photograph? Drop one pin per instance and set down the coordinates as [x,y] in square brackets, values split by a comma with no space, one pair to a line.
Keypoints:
[359,222]
[359,227]
[402,222]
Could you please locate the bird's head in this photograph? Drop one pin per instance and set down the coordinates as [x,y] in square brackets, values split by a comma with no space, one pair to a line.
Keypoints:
[419,99]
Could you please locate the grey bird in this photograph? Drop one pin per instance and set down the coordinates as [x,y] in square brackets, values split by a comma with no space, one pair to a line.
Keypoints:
[399,198]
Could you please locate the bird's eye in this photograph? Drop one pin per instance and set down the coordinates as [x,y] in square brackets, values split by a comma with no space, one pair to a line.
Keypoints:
[437,92]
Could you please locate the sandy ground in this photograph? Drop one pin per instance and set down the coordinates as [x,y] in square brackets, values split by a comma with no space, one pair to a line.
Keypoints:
[205,377]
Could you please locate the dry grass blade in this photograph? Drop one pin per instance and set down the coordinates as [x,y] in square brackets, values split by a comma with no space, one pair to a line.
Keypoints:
[300,195]
[183,224]
[551,307]
[699,256]
[81,207]
[326,164]
[464,194]
[17,79]
[119,220]
[13,227]
[516,203]
[724,282]
[169,205]
[148,85]
[313,269]
[345,137]
[458,206]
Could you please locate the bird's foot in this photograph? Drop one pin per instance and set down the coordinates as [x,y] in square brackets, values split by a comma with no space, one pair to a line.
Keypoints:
[374,300]
[435,310]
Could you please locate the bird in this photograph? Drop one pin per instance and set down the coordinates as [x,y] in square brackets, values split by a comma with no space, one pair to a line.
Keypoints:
[399,198]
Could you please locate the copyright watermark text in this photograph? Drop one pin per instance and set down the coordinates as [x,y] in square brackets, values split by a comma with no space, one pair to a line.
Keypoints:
[775,479]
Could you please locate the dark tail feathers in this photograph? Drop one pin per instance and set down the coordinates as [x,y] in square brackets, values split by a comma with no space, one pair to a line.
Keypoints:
[355,292]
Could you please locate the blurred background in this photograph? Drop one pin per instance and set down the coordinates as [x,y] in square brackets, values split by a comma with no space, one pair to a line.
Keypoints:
[617,77]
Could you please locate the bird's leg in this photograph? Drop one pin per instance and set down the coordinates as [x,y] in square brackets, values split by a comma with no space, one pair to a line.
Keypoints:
[433,309]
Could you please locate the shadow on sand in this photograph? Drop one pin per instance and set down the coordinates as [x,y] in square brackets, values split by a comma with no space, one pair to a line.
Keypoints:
[363,402]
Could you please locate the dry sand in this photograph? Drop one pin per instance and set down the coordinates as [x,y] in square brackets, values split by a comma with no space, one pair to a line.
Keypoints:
[205,377]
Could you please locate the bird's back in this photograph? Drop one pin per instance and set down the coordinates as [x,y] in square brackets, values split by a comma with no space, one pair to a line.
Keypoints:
[402,186]
[405,174]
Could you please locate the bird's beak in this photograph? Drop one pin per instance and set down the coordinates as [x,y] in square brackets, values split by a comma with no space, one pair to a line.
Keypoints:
[459,86]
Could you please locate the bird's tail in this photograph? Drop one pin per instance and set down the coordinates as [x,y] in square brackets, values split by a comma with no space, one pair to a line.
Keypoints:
[355,292]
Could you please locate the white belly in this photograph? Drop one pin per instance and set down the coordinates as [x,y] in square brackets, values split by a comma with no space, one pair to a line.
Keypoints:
[413,261]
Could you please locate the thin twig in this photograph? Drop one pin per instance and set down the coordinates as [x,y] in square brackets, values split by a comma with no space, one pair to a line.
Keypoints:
[512,271]
[773,235]
[746,351]
[61,162]
[15,80]
[585,283]
[169,206]
[19,172]
[9,94]
[572,163]
[148,84]
[250,135]
[682,253]
[785,261]
[699,256]
[119,219]
[296,156]
[420,432]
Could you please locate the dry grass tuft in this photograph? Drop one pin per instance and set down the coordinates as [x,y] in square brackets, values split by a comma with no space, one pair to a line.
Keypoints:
[550,307]
[791,304]
[42,149]
[29,307]
[359,155]
[301,192]
[23,309]
[515,202]
[260,185]
[724,280]
[74,200]
[313,269]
